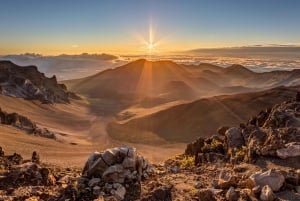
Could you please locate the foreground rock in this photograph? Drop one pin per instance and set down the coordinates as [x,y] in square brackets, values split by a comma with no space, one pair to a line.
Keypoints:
[30,180]
[114,169]
[272,178]
[267,194]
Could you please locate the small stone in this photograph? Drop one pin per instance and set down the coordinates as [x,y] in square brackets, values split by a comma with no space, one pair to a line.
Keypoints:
[93,182]
[128,162]
[120,192]
[116,185]
[35,158]
[226,180]
[206,195]
[145,175]
[232,194]
[32,199]
[297,188]
[198,185]
[175,169]
[292,178]
[222,130]
[96,190]
[100,198]
[1,152]
[256,191]
[267,194]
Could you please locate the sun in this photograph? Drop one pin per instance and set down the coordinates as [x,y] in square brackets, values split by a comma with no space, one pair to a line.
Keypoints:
[149,44]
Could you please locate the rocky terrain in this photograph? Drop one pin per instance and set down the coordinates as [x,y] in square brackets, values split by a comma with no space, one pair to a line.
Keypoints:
[28,83]
[23,123]
[256,160]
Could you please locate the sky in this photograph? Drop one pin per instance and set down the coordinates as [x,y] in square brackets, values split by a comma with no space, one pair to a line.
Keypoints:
[53,27]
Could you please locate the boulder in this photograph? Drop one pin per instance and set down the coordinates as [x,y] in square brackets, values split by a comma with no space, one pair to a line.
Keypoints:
[267,194]
[234,139]
[290,150]
[271,177]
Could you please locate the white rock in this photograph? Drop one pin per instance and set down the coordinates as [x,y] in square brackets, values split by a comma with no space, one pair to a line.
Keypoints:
[94,182]
[271,177]
[267,194]
[120,193]
[291,150]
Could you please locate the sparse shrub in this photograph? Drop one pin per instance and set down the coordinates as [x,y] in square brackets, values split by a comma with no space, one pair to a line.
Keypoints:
[193,191]
[187,162]
[214,145]
[240,154]
[182,161]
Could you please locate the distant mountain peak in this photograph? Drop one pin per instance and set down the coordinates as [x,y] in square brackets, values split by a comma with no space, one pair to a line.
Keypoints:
[236,68]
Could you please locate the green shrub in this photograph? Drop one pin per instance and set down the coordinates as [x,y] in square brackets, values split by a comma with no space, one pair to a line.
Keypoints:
[241,153]
[214,146]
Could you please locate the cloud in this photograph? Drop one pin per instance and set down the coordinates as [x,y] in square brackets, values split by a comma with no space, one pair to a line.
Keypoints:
[257,58]
[67,66]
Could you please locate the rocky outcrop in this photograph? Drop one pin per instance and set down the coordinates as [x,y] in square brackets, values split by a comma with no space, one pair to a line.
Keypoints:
[21,122]
[272,133]
[28,83]
[17,120]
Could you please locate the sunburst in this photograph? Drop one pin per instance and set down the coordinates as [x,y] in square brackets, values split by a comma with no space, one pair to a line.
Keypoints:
[150,42]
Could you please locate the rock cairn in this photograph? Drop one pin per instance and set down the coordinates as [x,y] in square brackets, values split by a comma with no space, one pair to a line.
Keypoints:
[116,172]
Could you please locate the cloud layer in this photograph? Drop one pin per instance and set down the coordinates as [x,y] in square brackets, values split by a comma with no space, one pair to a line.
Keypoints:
[256,58]
[67,66]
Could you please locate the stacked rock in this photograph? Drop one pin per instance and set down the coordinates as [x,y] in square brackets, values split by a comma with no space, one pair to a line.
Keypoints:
[116,167]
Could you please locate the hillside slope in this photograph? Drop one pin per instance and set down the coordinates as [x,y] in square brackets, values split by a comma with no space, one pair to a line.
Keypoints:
[183,123]
[166,81]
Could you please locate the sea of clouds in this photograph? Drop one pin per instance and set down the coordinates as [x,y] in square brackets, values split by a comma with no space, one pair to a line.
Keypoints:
[258,59]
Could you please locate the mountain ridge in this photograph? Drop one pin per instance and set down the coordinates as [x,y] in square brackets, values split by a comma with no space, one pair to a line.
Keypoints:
[27,82]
